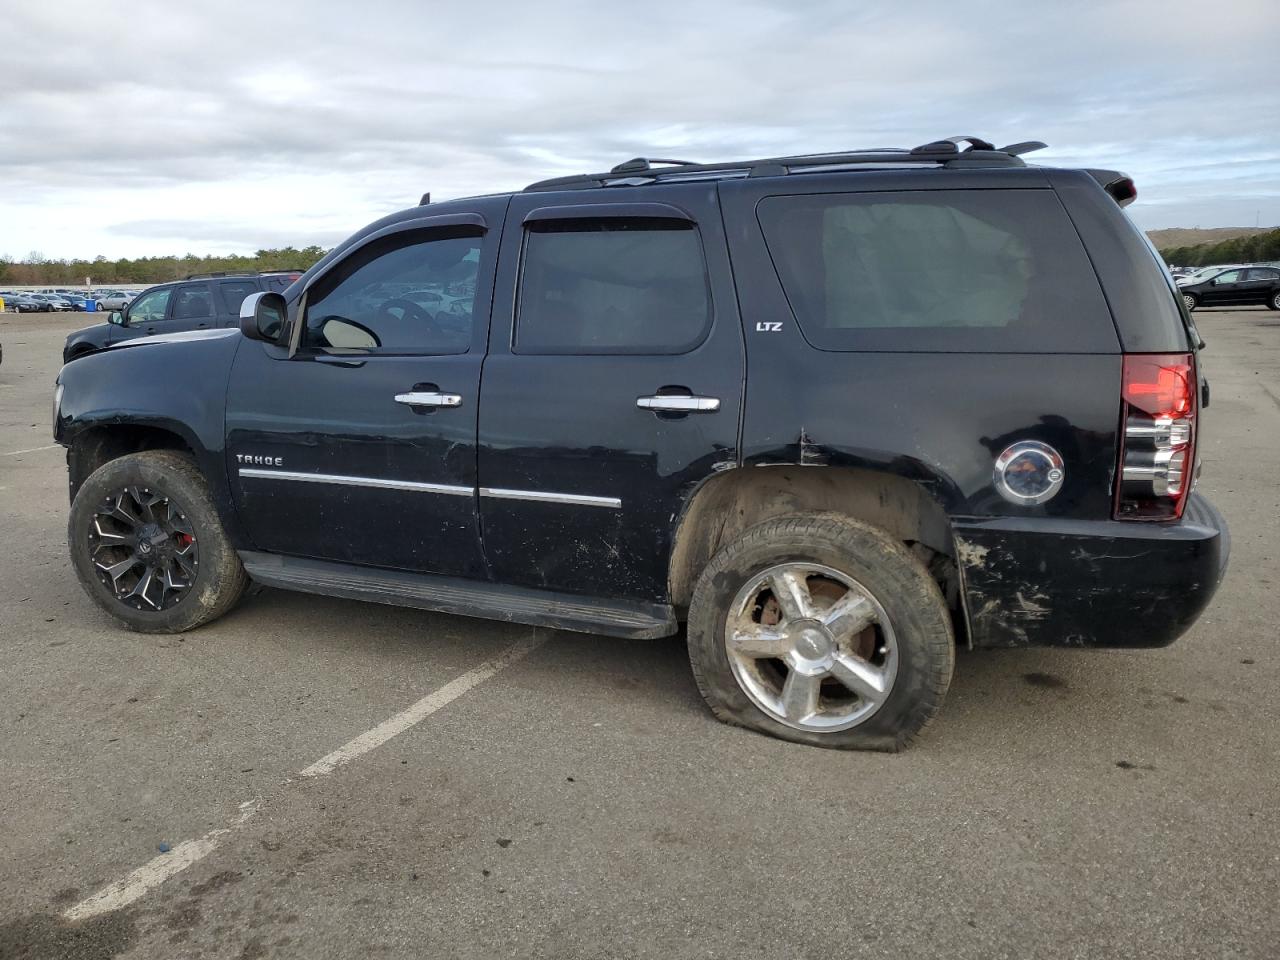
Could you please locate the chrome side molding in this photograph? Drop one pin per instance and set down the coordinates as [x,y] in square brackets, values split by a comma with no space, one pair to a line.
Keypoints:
[349,481]
[542,496]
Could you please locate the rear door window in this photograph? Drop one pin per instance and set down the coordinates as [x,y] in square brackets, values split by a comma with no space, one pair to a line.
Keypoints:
[612,286]
[937,270]
[192,301]
[233,292]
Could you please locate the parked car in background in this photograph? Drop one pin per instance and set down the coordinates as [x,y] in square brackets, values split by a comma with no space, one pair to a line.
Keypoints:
[194,304]
[1238,287]
[24,303]
[77,299]
[55,302]
[1204,273]
[113,299]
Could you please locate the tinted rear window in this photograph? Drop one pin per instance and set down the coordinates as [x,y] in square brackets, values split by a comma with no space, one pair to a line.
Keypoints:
[937,270]
[612,286]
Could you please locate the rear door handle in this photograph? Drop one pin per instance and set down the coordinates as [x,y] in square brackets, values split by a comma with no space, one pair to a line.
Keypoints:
[679,404]
[429,398]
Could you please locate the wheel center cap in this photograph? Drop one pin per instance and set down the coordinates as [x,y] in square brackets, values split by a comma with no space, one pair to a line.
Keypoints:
[813,644]
[151,540]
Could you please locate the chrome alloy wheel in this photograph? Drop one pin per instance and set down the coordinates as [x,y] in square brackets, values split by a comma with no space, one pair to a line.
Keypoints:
[811,647]
[1189,301]
[143,548]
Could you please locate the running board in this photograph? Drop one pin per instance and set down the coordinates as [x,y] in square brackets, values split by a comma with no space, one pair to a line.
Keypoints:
[472,598]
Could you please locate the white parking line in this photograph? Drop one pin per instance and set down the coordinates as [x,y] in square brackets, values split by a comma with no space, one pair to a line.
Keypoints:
[419,711]
[129,888]
[150,875]
[14,453]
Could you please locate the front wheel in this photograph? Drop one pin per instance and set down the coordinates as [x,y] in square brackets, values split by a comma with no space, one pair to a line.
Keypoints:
[1274,302]
[148,546]
[1189,301]
[822,630]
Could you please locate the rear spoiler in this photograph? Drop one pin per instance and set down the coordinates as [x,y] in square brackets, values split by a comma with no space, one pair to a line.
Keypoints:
[1119,186]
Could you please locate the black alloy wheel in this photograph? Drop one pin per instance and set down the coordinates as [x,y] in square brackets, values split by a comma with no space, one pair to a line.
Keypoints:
[144,548]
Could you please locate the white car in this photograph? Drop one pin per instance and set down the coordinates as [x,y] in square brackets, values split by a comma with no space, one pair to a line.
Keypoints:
[1204,273]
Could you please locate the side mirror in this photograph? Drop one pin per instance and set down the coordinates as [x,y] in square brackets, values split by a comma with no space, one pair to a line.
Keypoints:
[116,317]
[262,316]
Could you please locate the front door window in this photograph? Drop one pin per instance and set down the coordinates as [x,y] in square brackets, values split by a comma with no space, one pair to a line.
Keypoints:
[150,307]
[407,295]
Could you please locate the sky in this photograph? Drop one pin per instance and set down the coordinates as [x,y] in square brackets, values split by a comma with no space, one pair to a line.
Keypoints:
[212,126]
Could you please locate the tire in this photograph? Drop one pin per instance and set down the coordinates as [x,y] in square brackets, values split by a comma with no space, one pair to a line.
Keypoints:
[1274,302]
[910,647]
[188,541]
[1189,299]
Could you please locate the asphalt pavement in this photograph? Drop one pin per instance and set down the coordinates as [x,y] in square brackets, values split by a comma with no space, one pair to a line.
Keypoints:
[317,778]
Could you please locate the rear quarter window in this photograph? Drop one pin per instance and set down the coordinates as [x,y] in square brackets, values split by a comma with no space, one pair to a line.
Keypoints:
[937,271]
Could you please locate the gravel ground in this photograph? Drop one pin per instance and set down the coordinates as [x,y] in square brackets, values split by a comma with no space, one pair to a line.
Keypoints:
[583,803]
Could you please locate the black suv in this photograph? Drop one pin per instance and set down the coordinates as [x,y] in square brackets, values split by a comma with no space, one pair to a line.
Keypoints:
[834,412]
[1238,287]
[197,303]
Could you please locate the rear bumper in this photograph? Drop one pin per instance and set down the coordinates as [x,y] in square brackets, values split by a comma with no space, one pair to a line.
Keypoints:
[1086,583]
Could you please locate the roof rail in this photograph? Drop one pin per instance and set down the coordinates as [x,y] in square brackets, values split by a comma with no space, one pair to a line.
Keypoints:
[947,152]
[243,273]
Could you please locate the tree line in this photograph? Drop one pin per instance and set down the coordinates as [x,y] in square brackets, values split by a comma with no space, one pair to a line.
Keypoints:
[37,270]
[1259,247]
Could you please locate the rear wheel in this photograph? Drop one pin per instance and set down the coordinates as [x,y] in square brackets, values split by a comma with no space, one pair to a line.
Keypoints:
[148,546]
[821,630]
[1274,302]
[1190,301]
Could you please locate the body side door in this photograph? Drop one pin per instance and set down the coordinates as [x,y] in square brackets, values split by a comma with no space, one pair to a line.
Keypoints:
[355,441]
[1223,289]
[1259,284]
[191,307]
[612,386]
[144,315]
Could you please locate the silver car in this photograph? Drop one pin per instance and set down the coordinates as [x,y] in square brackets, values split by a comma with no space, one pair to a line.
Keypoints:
[54,300]
[113,299]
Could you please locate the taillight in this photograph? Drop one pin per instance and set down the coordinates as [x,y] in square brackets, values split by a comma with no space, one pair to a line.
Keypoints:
[1157,450]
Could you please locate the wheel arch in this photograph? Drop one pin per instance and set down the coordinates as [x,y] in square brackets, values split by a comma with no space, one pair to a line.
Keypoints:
[727,504]
[97,444]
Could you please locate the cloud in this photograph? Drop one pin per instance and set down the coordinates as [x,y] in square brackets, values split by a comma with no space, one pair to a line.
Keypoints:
[232,123]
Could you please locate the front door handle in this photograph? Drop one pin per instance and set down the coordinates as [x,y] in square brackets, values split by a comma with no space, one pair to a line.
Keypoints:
[429,398]
[679,404]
